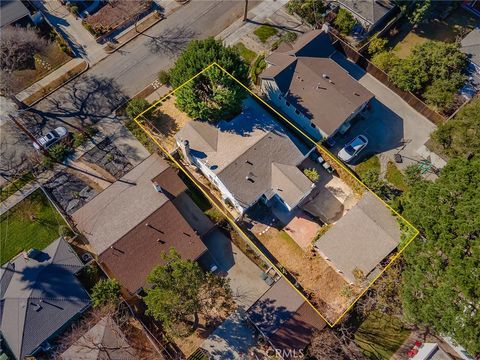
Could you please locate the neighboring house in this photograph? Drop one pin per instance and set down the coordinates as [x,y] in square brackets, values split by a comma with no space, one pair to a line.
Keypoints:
[40,295]
[286,319]
[371,14]
[361,239]
[104,341]
[311,88]
[250,158]
[428,351]
[133,221]
[13,12]
[470,45]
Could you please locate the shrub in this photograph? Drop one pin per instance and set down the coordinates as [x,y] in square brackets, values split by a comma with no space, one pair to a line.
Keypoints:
[312,174]
[164,77]
[385,60]
[64,230]
[78,139]
[59,151]
[309,10]
[105,292]
[289,37]
[257,67]
[344,21]
[136,107]
[377,45]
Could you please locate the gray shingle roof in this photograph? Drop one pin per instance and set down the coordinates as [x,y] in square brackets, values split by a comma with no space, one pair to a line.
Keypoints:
[470,45]
[110,342]
[314,83]
[11,11]
[362,238]
[369,10]
[245,151]
[40,295]
[121,206]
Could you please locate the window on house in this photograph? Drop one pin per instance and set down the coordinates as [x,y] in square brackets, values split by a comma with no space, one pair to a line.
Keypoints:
[312,125]
[286,102]
[280,97]
[297,112]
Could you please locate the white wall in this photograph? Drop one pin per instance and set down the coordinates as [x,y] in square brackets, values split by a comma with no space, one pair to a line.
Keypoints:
[270,88]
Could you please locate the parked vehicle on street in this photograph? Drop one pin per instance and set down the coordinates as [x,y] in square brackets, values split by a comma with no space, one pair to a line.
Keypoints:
[349,151]
[51,138]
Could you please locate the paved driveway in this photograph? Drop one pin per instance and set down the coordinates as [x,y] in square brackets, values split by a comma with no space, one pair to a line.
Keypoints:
[391,125]
[245,276]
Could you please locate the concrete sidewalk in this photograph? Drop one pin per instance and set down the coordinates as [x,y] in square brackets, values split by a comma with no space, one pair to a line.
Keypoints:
[46,81]
[81,41]
[239,29]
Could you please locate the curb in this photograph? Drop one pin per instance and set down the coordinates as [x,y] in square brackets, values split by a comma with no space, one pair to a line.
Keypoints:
[162,17]
[58,87]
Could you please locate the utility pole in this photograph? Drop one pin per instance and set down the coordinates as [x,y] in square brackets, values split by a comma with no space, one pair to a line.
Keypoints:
[245,11]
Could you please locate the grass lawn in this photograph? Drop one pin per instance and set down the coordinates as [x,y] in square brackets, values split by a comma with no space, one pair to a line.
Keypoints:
[372,163]
[265,32]
[12,187]
[33,223]
[395,177]
[456,25]
[246,54]
[52,55]
[380,336]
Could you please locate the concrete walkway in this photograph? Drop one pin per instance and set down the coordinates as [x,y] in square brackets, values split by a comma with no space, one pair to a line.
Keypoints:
[239,29]
[81,41]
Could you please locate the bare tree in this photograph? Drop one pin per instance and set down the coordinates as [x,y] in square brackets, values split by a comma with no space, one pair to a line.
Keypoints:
[132,342]
[325,345]
[18,47]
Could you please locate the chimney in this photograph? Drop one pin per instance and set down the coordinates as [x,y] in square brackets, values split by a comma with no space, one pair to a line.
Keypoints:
[185,147]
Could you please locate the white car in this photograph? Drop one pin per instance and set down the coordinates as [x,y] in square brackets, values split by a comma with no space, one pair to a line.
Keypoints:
[352,149]
[51,138]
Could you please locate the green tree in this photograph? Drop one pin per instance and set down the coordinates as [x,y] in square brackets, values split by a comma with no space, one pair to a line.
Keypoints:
[106,292]
[385,60]
[213,95]
[440,280]
[136,107]
[344,21]
[180,291]
[415,10]
[432,63]
[311,11]
[461,135]
[440,94]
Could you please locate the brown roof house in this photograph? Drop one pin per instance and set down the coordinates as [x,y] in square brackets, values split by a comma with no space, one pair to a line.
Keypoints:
[358,242]
[132,222]
[286,319]
[307,85]
[249,158]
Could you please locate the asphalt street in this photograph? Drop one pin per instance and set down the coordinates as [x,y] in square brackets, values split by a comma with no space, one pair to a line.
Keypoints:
[95,94]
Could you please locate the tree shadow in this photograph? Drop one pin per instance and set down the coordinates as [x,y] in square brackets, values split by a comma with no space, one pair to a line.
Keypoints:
[81,103]
[171,41]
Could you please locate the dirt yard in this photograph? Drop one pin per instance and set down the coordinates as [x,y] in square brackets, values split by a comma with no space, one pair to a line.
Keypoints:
[311,271]
[168,120]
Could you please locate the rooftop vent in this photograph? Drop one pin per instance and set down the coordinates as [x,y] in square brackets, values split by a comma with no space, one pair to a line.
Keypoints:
[248,162]
[157,187]
[250,178]
[325,76]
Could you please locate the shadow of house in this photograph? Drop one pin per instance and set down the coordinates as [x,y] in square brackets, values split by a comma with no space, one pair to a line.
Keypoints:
[40,295]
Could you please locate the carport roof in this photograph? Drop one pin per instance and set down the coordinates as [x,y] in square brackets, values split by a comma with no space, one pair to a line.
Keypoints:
[362,238]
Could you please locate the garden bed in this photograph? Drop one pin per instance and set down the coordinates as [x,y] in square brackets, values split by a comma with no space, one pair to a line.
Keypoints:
[32,223]
[114,14]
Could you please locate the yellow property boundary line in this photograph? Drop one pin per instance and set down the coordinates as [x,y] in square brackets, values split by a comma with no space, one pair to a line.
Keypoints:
[318,145]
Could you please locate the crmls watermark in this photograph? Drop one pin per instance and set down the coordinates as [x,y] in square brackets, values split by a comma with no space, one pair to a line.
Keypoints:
[285,353]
